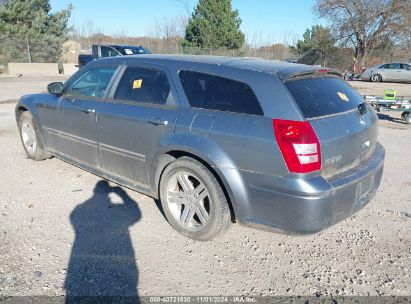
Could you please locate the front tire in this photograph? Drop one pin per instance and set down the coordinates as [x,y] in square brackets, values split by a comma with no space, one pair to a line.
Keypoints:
[193,201]
[376,78]
[32,143]
[407,118]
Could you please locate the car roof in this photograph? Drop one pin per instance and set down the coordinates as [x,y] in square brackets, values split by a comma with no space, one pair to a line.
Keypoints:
[396,62]
[247,63]
[282,69]
[126,46]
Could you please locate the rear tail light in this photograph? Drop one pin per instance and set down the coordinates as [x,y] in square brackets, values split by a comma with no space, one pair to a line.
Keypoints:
[299,145]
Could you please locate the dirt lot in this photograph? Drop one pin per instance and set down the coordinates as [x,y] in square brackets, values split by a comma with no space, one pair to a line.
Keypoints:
[12,88]
[51,213]
[370,88]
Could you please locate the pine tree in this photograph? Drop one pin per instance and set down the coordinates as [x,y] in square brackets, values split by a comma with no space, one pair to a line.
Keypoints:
[28,27]
[214,24]
[318,37]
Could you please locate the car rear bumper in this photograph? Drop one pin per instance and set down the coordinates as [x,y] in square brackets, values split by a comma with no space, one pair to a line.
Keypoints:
[310,205]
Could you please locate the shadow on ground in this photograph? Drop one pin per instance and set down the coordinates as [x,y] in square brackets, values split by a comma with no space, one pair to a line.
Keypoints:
[390,118]
[103,264]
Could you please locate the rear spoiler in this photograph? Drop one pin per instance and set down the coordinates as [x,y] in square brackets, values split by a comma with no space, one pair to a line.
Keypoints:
[292,73]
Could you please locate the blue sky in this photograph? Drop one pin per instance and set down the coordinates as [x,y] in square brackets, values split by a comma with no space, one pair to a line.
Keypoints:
[270,20]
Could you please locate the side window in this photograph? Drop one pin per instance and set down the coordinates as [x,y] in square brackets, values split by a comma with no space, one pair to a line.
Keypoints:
[144,85]
[392,66]
[219,93]
[405,66]
[93,83]
[107,51]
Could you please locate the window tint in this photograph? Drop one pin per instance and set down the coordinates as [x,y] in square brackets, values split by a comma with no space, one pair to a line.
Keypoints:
[144,85]
[107,51]
[92,83]
[219,93]
[323,96]
[391,66]
[405,66]
[130,50]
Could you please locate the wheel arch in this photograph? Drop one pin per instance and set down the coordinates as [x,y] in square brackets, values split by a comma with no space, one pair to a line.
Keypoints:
[27,104]
[19,110]
[168,156]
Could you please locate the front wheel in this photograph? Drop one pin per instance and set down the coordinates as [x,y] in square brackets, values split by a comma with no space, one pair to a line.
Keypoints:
[376,78]
[31,141]
[193,200]
[407,118]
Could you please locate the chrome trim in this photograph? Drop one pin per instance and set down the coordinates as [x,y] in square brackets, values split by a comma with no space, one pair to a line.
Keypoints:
[94,144]
[122,152]
[332,115]
[73,137]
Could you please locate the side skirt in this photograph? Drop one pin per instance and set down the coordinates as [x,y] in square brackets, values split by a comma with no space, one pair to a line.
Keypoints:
[112,178]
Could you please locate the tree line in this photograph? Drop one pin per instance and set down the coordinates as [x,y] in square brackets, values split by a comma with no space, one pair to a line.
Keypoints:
[361,31]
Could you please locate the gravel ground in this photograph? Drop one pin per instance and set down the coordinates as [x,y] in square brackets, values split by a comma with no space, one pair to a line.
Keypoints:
[370,88]
[65,231]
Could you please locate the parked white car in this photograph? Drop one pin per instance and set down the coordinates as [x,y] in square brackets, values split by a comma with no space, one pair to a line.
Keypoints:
[395,72]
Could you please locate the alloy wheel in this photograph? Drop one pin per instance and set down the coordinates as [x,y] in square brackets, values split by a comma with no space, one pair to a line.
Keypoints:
[376,78]
[28,135]
[189,201]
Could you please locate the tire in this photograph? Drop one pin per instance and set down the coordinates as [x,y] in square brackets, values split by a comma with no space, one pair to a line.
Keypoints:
[193,201]
[32,143]
[376,78]
[407,118]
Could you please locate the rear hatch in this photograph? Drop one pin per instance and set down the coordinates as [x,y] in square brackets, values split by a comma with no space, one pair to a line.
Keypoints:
[345,126]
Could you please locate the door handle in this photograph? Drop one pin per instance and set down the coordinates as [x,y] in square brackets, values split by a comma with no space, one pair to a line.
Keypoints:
[157,121]
[88,111]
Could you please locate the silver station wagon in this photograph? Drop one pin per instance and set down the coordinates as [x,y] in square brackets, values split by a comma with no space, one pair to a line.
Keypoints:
[217,140]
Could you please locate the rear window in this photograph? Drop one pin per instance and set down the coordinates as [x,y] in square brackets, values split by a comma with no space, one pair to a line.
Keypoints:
[323,96]
[219,93]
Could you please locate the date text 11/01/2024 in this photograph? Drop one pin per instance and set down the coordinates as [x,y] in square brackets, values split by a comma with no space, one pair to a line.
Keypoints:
[205,299]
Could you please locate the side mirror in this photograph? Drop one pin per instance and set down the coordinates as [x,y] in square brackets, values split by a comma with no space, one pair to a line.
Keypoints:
[55,88]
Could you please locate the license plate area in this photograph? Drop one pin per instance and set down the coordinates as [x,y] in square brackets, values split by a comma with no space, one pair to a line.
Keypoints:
[363,189]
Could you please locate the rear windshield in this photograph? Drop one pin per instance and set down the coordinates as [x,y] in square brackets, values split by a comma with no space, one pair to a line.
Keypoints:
[323,96]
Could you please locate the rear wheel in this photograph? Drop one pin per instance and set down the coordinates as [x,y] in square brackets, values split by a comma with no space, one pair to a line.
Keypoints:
[193,201]
[407,118]
[376,78]
[31,142]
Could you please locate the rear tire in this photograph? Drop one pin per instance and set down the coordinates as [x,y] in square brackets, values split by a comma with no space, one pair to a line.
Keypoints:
[376,78]
[32,143]
[407,118]
[193,201]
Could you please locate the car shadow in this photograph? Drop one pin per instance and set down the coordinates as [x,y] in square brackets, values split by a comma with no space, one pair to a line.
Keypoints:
[390,118]
[102,266]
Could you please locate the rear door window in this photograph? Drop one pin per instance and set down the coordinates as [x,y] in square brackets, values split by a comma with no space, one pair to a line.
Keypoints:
[144,85]
[219,93]
[318,97]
